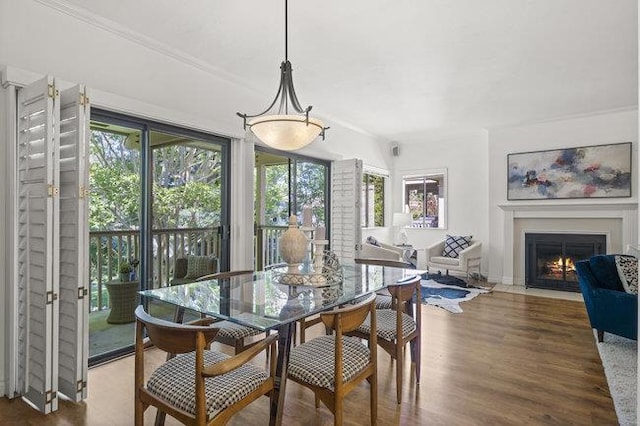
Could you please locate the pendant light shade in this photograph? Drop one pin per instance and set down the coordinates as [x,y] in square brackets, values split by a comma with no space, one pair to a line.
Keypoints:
[286,132]
[281,129]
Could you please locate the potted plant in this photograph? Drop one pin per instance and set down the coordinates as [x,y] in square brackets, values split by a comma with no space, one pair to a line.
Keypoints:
[125,269]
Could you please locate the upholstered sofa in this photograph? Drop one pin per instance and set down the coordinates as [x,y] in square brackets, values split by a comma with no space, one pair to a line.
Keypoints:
[188,269]
[610,308]
[380,251]
[467,259]
[374,249]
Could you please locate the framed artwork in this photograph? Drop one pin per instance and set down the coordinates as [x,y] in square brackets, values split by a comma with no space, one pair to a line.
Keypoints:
[599,171]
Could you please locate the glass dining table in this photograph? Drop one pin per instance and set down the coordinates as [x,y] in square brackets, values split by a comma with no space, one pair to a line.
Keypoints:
[260,301]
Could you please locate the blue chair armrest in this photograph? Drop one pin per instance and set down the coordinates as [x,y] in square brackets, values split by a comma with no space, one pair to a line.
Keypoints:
[609,310]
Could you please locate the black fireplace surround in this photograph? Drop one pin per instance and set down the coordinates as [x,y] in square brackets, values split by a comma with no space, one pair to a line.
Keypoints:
[550,258]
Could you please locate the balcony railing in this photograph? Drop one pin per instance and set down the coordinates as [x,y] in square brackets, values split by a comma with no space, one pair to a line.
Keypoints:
[267,246]
[108,248]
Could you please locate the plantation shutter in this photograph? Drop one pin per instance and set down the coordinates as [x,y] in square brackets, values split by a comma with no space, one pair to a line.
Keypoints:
[37,240]
[346,186]
[74,240]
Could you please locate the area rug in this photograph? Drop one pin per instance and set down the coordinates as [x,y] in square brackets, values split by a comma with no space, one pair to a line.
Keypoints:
[445,279]
[620,361]
[446,296]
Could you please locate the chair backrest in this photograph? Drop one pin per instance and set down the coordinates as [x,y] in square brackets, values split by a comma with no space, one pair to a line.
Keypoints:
[179,338]
[404,294]
[180,267]
[224,275]
[173,337]
[384,262]
[349,317]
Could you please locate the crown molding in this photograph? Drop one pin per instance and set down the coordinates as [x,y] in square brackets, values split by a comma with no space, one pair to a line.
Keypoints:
[140,39]
[577,116]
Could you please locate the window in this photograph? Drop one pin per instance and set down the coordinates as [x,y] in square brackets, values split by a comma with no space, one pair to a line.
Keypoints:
[285,183]
[372,200]
[425,194]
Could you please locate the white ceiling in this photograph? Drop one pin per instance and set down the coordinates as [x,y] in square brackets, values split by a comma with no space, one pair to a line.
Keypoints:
[401,70]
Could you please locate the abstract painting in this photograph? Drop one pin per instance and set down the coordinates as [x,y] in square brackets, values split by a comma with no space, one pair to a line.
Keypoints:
[598,171]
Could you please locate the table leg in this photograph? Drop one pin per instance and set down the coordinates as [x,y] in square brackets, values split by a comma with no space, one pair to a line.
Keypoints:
[285,333]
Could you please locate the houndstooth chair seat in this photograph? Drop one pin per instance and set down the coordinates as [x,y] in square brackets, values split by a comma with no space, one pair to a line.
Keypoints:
[383,298]
[398,326]
[230,333]
[332,365]
[232,330]
[313,362]
[173,382]
[195,385]
[386,319]
[383,301]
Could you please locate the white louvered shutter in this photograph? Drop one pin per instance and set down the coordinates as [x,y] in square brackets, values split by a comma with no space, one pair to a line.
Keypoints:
[74,244]
[346,187]
[38,279]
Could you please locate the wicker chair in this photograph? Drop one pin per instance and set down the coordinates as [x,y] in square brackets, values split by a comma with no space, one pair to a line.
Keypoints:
[188,269]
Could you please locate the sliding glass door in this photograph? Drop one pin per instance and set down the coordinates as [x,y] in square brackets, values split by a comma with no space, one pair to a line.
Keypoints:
[158,194]
[286,183]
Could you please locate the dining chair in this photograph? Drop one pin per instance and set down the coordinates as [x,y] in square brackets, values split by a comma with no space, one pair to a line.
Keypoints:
[230,333]
[332,365]
[195,385]
[303,323]
[398,326]
[383,298]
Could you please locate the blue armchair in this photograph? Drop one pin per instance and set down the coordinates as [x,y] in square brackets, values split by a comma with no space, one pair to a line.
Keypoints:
[609,307]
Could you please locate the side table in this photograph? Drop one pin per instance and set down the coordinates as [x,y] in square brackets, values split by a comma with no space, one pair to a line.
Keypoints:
[123,300]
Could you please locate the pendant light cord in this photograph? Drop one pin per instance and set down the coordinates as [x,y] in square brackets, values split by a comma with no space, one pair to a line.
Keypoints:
[286,30]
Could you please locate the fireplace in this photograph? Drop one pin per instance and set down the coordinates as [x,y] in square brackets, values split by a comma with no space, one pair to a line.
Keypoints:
[550,258]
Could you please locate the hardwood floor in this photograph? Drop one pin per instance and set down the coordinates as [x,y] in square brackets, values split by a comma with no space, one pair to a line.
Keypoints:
[508,359]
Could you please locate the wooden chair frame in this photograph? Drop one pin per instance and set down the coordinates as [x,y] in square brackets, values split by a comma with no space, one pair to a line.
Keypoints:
[238,345]
[343,321]
[382,300]
[403,295]
[197,336]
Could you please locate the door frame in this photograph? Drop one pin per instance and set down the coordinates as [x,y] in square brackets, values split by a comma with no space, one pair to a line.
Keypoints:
[146,126]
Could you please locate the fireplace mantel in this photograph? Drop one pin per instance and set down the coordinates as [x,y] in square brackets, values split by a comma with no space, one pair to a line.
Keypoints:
[627,212]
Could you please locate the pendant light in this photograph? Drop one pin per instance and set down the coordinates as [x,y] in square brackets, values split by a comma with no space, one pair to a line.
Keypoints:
[290,128]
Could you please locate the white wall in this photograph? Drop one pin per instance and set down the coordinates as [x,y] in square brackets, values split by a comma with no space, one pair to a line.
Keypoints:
[127,76]
[465,158]
[611,127]
[146,81]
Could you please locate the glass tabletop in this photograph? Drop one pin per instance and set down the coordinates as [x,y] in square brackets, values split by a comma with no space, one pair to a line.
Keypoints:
[259,301]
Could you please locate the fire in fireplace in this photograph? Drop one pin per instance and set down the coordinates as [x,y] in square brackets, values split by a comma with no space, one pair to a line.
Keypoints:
[550,258]
[562,268]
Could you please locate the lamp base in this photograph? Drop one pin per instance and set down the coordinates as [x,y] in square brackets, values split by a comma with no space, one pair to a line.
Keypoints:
[402,238]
